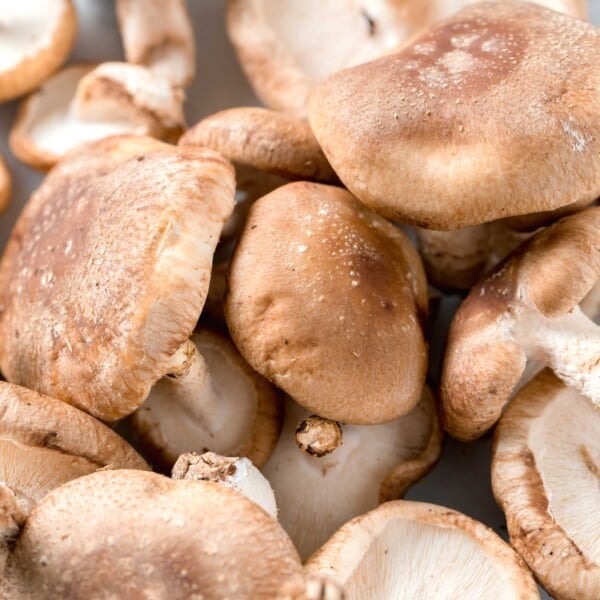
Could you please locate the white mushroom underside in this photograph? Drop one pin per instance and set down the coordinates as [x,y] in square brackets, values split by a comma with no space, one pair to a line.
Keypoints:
[27,26]
[415,560]
[316,496]
[224,409]
[324,36]
[565,442]
[54,128]
[31,472]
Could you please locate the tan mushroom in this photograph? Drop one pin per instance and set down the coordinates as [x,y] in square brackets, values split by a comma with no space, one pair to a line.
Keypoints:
[407,550]
[268,149]
[83,103]
[107,269]
[527,309]
[45,443]
[545,474]
[325,300]
[322,478]
[5,184]
[134,534]
[286,47]
[223,406]
[158,34]
[457,127]
[36,37]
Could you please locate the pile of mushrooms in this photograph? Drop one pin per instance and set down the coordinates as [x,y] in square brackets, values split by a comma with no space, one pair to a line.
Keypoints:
[216,342]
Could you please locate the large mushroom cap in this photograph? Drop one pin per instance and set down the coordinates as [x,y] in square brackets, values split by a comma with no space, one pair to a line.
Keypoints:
[408,550]
[106,272]
[317,494]
[133,534]
[527,309]
[158,34]
[45,443]
[5,184]
[545,474]
[85,103]
[283,45]
[461,125]
[228,408]
[36,37]
[325,299]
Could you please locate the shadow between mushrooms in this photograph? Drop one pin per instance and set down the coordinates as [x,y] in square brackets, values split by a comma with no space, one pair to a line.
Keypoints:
[317,494]
[545,475]
[107,269]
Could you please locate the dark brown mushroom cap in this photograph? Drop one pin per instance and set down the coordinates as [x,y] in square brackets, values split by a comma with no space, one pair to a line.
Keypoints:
[545,475]
[493,332]
[107,270]
[325,300]
[465,123]
[133,534]
[45,442]
[266,140]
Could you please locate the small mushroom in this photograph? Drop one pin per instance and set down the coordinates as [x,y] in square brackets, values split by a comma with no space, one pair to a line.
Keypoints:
[5,184]
[107,269]
[268,149]
[325,300]
[234,472]
[223,406]
[134,534]
[83,103]
[456,128]
[323,478]
[158,34]
[527,309]
[36,37]
[43,444]
[407,550]
[545,475]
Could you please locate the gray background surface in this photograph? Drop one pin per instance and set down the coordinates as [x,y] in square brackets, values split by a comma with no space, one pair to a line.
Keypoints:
[462,478]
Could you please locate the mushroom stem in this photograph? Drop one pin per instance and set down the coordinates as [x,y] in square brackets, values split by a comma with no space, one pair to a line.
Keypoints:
[318,437]
[192,386]
[570,345]
[12,518]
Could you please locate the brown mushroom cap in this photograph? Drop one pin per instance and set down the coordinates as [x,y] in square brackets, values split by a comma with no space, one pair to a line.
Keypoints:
[461,125]
[158,34]
[325,300]
[283,44]
[408,550]
[526,309]
[106,272]
[36,37]
[545,474]
[5,184]
[45,443]
[85,103]
[133,534]
[230,409]
[317,494]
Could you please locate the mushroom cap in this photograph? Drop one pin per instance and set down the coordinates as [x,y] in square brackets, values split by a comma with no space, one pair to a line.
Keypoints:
[325,299]
[247,418]
[545,474]
[417,550]
[375,463]
[5,184]
[45,443]
[85,103]
[134,534]
[489,340]
[280,42]
[107,269]
[461,125]
[158,34]
[35,39]
[266,140]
